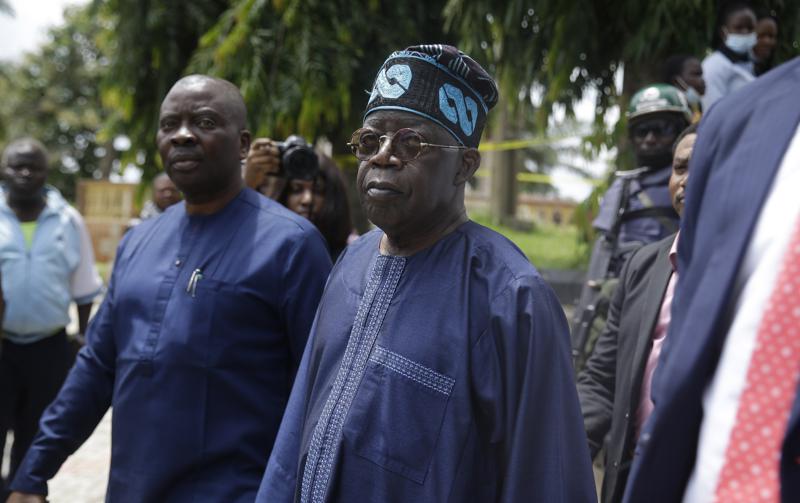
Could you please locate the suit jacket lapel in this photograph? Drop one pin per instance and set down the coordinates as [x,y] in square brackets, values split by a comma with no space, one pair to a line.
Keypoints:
[760,147]
[656,287]
[763,150]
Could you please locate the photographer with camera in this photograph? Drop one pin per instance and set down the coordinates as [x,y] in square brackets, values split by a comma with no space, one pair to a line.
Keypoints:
[306,182]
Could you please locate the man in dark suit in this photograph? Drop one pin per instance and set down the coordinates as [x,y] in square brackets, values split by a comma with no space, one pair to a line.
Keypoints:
[726,425]
[614,387]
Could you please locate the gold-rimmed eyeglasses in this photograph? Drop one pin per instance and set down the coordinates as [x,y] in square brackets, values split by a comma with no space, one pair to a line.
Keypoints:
[405,144]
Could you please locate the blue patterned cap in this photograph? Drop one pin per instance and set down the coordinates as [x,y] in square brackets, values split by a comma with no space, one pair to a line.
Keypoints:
[440,83]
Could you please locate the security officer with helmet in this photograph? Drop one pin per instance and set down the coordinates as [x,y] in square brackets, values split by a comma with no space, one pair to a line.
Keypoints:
[636,209]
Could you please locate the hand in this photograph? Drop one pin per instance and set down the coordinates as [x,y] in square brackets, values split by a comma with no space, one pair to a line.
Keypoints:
[262,168]
[78,339]
[17,497]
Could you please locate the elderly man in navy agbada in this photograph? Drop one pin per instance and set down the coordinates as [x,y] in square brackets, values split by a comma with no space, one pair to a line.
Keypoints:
[438,369]
[201,331]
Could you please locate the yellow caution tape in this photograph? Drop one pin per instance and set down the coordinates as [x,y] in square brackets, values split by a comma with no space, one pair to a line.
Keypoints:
[347,161]
[538,177]
[500,146]
[534,178]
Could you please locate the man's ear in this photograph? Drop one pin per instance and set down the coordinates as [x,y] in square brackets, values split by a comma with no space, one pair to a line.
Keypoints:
[470,162]
[244,143]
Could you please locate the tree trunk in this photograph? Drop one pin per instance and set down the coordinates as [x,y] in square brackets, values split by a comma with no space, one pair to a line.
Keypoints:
[107,161]
[503,179]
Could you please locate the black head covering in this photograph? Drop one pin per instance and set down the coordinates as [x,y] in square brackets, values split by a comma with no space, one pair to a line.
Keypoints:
[440,83]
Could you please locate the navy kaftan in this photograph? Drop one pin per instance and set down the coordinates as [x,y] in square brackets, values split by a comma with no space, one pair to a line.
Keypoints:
[195,345]
[440,377]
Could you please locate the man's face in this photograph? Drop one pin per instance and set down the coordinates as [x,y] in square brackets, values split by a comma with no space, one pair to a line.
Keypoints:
[200,140]
[692,74]
[408,197]
[680,171]
[165,194]
[25,171]
[652,136]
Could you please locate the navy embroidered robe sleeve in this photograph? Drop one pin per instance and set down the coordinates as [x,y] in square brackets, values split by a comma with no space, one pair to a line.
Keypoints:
[456,380]
[198,371]
[280,479]
[523,380]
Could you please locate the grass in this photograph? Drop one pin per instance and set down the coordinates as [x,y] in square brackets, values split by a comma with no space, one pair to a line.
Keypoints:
[547,247]
[104,268]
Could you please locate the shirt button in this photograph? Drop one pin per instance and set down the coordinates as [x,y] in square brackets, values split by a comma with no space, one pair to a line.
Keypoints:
[178,263]
[627,415]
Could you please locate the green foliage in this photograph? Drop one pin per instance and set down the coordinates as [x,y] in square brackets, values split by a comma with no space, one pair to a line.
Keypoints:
[54,95]
[547,247]
[306,65]
[152,42]
[569,46]
[587,210]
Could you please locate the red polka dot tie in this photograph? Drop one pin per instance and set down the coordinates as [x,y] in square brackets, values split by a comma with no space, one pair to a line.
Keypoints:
[751,472]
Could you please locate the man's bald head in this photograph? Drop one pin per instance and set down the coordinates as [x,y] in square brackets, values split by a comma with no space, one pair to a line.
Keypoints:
[165,194]
[29,146]
[24,169]
[160,178]
[202,138]
[227,91]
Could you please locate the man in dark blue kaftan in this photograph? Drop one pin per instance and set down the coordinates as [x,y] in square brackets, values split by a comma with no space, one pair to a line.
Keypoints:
[438,366]
[202,328]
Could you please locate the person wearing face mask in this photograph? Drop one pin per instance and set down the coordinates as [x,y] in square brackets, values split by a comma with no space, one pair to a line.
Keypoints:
[685,72]
[730,66]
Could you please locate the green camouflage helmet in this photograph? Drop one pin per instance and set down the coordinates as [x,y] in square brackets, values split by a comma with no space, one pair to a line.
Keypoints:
[659,98]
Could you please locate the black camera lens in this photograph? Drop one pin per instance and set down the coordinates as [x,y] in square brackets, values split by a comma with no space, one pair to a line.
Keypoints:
[298,159]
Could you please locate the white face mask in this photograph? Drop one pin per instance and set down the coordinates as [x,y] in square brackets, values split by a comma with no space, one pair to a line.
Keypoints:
[741,43]
[692,96]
